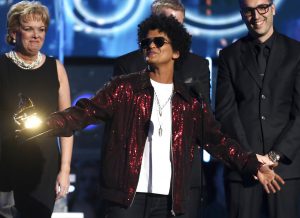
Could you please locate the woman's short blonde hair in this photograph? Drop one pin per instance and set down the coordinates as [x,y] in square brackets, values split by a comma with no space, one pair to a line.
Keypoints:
[23,11]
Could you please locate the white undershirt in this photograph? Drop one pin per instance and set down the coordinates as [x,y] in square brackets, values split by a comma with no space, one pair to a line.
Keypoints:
[156,169]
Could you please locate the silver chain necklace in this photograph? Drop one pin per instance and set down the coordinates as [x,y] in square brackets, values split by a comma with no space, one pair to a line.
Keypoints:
[160,109]
[21,63]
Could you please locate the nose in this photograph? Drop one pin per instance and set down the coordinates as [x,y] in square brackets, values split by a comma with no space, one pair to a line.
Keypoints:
[152,45]
[35,34]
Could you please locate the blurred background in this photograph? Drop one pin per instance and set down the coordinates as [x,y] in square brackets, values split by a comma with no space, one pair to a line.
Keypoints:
[86,35]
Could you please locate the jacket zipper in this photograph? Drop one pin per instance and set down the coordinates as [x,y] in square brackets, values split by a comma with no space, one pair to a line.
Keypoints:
[132,198]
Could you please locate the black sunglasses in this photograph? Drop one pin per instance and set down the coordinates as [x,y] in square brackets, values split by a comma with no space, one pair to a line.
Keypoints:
[261,9]
[158,41]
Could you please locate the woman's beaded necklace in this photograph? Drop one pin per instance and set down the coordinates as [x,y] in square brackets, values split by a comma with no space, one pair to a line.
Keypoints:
[21,63]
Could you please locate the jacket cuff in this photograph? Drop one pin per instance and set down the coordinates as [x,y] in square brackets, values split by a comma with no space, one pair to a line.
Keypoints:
[252,166]
[56,125]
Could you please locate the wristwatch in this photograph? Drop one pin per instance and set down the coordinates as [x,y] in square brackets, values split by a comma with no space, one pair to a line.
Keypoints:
[274,157]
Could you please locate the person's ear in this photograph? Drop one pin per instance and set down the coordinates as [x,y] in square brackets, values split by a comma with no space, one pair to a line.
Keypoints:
[176,54]
[273,9]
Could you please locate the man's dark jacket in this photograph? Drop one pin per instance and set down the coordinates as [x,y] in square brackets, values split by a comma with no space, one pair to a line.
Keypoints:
[262,115]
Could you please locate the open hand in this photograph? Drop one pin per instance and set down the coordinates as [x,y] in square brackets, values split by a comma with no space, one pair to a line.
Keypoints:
[270,180]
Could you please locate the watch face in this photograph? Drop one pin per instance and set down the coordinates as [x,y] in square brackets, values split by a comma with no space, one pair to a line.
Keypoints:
[274,156]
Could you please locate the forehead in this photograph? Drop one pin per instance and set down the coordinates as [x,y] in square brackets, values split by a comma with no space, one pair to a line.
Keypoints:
[31,18]
[156,33]
[253,3]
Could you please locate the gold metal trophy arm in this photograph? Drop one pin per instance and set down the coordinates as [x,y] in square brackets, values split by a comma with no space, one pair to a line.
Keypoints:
[31,125]
[26,116]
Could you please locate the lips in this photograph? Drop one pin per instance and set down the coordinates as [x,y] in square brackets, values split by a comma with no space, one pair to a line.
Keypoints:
[258,23]
[151,53]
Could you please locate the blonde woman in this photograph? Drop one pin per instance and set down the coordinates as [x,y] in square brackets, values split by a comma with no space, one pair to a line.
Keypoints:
[38,170]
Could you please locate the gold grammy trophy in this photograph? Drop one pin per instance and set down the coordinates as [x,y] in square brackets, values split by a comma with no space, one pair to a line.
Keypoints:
[26,117]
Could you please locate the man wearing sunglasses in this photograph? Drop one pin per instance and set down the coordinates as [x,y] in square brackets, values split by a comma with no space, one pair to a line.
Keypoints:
[193,70]
[258,103]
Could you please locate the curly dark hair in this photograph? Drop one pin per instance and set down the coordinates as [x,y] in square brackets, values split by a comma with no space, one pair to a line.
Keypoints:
[176,32]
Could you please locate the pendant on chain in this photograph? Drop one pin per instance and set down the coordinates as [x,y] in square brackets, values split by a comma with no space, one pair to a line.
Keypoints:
[160,131]
[160,112]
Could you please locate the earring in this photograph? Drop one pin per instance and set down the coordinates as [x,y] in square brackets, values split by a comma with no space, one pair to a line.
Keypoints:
[14,41]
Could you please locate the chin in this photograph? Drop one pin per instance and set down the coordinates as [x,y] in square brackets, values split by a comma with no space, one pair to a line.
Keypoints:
[34,51]
[149,61]
[256,32]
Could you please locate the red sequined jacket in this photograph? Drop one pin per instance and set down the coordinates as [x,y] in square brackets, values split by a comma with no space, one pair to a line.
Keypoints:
[125,104]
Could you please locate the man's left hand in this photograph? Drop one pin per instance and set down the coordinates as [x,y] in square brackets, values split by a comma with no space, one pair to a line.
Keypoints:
[270,180]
